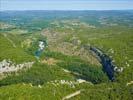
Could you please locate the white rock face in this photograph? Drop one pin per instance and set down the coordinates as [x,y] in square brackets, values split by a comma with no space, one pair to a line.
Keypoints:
[39,86]
[67,71]
[111,50]
[81,81]
[67,82]
[115,68]
[7,66]
[118,69]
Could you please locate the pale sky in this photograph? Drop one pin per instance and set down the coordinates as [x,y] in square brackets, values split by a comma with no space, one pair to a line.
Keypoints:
[66,4]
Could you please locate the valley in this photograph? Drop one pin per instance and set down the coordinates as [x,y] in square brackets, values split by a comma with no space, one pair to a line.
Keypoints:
[62,55]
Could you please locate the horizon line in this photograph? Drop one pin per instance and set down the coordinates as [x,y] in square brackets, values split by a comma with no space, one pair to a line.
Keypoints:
[71,10]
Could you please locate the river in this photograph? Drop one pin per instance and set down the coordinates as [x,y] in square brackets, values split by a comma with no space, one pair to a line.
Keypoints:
[106,62]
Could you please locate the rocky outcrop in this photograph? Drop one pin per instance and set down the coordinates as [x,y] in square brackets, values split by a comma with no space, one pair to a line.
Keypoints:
[72,84]
[7,66]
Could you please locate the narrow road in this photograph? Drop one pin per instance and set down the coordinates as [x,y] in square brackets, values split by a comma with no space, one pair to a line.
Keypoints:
[72,95]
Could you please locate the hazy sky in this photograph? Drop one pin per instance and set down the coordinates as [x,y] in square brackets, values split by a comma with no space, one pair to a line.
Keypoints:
[66,4]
